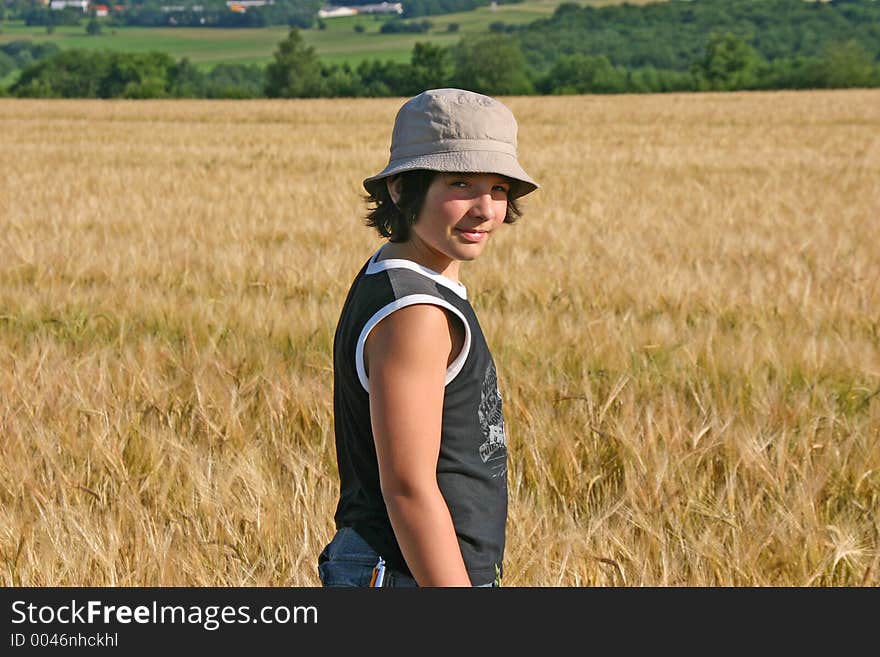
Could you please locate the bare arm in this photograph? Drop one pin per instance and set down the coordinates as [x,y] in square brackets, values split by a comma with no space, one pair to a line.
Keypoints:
[407,354]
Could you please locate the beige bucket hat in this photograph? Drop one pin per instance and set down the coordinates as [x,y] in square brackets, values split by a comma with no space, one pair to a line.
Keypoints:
[456,131]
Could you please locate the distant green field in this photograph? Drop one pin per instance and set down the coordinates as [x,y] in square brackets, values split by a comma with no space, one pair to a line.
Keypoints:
[340,43]
[337,43]
[202,46]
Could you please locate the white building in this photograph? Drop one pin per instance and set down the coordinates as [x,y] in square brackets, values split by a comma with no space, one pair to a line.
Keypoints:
[382,8]
[64,4]
[336,12]
[249,3]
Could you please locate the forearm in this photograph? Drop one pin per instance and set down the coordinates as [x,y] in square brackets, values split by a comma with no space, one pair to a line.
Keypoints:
[426,536]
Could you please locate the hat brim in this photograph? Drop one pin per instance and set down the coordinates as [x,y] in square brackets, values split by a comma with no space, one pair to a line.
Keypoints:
[457,162]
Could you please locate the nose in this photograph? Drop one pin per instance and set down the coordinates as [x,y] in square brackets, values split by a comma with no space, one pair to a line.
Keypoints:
[483,206]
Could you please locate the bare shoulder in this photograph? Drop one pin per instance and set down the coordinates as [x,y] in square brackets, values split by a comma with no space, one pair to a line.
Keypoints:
[420,333]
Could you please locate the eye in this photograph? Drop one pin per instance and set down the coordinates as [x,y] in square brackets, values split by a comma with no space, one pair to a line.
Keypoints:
[504,189]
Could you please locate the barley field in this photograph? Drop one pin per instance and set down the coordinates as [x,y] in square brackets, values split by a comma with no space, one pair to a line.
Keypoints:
[686,324]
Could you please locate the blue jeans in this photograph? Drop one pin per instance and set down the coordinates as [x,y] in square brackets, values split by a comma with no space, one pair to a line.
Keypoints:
[348,560]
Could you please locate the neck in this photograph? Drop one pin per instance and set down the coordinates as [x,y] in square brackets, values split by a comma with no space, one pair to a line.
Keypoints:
[418,252]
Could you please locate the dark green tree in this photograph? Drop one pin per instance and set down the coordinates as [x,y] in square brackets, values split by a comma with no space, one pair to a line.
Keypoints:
[341,81]
[296,71]
[492,65]
[847,65]
[583,74]
[235,81]
[137,75]
[186,81]
[430,69]
[7,64]
[385,78]
[729,63]
[68,74]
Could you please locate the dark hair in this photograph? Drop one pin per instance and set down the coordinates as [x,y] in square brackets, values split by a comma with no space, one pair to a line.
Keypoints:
[393,220]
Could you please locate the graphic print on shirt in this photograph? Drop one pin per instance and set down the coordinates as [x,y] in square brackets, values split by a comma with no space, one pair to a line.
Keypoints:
[493,451]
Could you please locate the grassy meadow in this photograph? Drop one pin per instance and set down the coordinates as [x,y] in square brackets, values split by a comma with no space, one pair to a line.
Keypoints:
[685,324]
[337,43]
[204,47]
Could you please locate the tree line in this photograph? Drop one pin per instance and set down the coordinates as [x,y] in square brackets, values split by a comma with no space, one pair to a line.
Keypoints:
[673,35]
[19,54]
[502,62]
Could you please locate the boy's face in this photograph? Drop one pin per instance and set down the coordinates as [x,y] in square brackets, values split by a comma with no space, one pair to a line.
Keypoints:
[459,214]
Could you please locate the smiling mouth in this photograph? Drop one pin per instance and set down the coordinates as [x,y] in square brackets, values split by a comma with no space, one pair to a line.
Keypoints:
[473,235]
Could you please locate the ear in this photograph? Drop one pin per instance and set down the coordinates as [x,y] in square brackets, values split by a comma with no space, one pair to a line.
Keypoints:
[395,185]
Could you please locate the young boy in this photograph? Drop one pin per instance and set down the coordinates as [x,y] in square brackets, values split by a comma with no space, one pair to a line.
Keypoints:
[420,440]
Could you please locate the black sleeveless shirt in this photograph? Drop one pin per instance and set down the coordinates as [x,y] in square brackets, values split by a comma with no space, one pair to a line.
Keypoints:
[472,464]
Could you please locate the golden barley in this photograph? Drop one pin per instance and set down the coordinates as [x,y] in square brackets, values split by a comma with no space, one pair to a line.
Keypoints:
[685,323]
